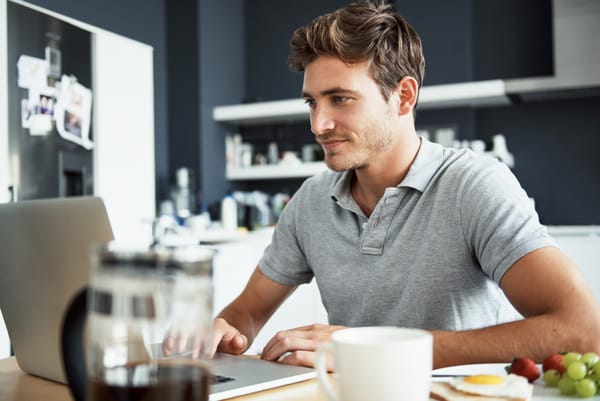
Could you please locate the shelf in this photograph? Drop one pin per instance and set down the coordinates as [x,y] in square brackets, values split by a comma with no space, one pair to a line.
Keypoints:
[467,94]
[262,112]
[275,171]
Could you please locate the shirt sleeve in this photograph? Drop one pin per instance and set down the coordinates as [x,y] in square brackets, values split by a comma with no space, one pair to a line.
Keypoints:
[499,220]
[283,260]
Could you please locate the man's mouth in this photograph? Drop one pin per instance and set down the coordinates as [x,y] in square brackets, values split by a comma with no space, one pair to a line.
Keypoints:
[332,144]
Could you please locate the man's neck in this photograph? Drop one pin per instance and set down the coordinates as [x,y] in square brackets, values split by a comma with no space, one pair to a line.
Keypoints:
[370,182]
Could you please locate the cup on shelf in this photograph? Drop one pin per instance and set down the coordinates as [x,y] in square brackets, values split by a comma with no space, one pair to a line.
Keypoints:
[310,152]
[290,158]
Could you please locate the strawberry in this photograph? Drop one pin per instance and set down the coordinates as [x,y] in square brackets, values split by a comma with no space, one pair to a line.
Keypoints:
[524,367]
[555,362]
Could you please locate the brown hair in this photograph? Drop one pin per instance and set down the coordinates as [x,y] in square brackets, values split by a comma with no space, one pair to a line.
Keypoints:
[363,31]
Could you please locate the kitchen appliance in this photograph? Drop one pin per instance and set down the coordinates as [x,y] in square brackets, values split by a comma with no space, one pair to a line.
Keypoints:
[42,163]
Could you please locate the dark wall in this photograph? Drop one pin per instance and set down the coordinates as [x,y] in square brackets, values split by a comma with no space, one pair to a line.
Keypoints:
[445,28]
[222,81]
[511,39]
[555,144]
[184,89]
[142,20]
[462,39]
[269,27]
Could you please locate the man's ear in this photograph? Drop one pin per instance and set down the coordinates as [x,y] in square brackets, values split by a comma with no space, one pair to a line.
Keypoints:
[408,90]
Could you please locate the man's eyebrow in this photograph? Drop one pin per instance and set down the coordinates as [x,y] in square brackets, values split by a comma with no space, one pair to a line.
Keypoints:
[331,91]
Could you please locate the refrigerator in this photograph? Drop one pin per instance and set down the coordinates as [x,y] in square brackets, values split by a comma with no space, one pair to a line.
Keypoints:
[50,137]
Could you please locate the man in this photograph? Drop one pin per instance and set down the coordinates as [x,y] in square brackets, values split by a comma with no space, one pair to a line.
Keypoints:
[405,232]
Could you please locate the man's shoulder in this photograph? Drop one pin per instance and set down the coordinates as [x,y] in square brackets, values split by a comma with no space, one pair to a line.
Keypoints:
[464,164]
[467,159]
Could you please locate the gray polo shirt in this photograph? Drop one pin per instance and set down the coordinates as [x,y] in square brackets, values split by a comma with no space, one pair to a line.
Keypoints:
[431,254]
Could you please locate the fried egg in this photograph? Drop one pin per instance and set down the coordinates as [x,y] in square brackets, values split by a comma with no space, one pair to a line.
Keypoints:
[511,386]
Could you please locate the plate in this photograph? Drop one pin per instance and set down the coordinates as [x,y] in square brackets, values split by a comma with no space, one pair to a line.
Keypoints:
[540,391]
[473,369]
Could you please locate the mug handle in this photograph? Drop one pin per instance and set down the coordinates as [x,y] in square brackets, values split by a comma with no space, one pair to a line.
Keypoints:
[321,367]
[72,344]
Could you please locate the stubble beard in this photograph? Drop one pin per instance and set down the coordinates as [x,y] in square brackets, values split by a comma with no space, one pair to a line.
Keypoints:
[356,159]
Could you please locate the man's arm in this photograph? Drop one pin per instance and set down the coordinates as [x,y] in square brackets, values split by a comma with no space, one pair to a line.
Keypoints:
[544,286]
[237,325]
[559,309]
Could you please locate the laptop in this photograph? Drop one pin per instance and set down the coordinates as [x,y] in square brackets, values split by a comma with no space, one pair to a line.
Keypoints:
[44,261]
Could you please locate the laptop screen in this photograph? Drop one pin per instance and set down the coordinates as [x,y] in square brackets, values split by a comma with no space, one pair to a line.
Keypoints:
[44,248]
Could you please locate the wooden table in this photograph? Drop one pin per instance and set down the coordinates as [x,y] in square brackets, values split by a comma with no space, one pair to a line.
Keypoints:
[15,385]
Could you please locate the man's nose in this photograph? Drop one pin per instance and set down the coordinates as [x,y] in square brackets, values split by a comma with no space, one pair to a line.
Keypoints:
[321,121]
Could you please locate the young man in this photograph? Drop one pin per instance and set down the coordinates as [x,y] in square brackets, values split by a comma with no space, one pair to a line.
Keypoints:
[405,232]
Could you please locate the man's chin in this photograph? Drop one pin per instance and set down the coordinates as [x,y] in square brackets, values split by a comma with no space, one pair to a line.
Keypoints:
[337,169]
[338,166]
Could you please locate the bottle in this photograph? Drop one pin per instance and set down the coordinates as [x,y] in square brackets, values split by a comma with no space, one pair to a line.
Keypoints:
[182,193]
[229,213]
[500,150]
[273,153]
[229,151]
[237,150]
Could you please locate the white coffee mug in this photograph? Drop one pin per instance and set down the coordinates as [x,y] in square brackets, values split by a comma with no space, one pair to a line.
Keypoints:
[378,363]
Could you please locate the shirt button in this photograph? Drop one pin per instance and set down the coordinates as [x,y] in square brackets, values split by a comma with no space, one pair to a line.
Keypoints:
[364,226]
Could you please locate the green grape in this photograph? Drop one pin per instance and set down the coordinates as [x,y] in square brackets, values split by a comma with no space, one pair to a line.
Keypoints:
[566,385]
[551,377]
[585,388]
[576,370]
[590,359]
[570,357]
[594,372]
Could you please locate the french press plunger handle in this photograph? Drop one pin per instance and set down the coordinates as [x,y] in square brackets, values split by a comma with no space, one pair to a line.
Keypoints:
[72,344]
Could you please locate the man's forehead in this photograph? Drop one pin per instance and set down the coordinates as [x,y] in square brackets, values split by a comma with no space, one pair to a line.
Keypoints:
[327,74]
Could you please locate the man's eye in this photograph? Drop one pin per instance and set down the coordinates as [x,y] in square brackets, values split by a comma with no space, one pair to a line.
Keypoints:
[310,102]
[340,99]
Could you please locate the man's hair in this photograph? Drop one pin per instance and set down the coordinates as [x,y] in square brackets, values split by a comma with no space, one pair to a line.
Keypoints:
[364,31]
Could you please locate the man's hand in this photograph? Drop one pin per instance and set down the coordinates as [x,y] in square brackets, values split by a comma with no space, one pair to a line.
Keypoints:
[226,338]
[298,346]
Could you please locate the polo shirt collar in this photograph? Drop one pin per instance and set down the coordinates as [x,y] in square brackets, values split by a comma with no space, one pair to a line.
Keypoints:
[341,190]
[429,159]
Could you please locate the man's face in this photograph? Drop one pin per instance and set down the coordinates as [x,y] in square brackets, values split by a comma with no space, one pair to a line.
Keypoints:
[351,120]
